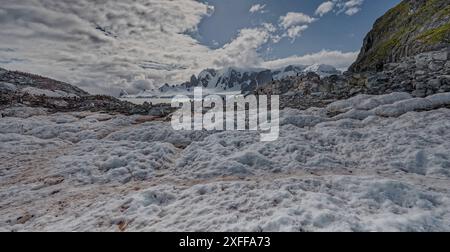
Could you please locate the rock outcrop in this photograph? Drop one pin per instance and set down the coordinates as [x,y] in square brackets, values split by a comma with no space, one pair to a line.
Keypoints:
[35,83]
[421,75]
[408,50]
[19,89]
[412,27]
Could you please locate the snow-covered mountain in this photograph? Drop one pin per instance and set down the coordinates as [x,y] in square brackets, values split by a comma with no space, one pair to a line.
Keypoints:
[239,79]
[228,79]
[322,70]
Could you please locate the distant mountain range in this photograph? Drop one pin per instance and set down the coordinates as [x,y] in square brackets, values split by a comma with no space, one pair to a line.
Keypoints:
[234,79]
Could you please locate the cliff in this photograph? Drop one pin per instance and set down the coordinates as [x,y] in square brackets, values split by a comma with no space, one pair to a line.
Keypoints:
[410,28]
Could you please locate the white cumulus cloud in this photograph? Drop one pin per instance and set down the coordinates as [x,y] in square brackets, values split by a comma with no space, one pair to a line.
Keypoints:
[257,8]
[295,18]
[348,7]
[294,23]
[295,31]
[243,50]
[352,11]
[324,8]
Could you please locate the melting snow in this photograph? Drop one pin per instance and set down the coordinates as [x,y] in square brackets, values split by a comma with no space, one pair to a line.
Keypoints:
[370,163]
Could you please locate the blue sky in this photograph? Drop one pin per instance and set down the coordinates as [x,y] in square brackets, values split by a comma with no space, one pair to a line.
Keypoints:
[333,31]
[107,46]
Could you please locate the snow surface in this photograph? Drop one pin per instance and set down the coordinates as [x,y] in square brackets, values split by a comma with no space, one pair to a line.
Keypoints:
[370,163]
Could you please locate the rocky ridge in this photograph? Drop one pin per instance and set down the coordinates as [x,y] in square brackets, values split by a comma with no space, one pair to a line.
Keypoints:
[31,83]
[19,89]
[410,28]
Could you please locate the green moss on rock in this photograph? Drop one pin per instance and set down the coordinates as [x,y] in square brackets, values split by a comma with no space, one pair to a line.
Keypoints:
[437,35]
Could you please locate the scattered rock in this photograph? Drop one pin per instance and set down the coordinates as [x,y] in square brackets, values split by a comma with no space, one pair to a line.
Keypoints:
[24,218]
[420,75]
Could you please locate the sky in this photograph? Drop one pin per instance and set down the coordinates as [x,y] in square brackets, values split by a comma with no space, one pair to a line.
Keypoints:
[104,46]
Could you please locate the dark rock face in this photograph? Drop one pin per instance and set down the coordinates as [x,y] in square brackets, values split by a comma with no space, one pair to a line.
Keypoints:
[165,88]
[410,28]
[307,90]
[206,77]
[234,79]
[421,75]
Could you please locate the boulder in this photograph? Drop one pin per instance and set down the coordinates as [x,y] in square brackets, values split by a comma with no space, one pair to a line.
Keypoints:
[7,87]
[436,65]
[434,84]
[440,55]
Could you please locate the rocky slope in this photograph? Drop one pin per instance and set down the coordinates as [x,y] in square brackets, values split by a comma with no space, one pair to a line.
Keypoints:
[19,89]
[420,75]
[37,85]
[412,27]
[407,51]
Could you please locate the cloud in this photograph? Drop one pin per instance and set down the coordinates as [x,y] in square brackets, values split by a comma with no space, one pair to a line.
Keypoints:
[353,3]
[348,7]
[295,31]
[352,11]
[338,59]
[107,46]
[103,46]
[294,19]
[257,8]
[352,7]
[294,23]
[324,8]
[243,50]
